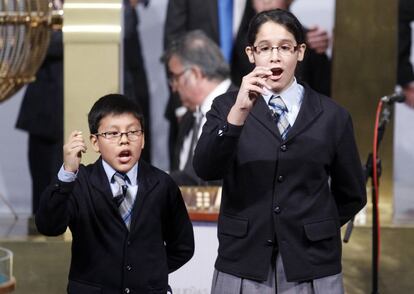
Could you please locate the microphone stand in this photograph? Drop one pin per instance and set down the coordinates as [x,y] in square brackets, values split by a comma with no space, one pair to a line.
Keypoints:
[368,171]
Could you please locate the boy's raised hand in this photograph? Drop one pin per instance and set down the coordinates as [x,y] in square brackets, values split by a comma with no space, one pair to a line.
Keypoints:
[72,151]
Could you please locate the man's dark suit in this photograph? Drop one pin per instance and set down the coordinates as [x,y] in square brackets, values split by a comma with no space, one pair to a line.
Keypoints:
[41,115]
[293,194]
[405,17]
[187,177]
[106,257]
[187,15]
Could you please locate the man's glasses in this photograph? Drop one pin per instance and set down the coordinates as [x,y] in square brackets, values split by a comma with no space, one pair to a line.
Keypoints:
[267,50]
[173,77]
[115,135]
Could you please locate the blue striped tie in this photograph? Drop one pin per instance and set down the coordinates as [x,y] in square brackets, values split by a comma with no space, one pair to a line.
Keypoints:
[123,198]
[279,111]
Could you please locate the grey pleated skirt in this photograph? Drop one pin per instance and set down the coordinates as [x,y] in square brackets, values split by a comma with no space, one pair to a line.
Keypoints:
[228,284]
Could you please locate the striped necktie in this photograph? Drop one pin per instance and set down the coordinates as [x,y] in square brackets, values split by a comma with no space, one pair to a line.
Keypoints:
[279,111]
[123,198]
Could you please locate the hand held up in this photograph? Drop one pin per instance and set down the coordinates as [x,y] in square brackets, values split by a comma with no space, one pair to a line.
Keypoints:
[72,151]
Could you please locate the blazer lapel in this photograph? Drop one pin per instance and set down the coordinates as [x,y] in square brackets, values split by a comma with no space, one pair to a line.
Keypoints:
[146,183]
[99,182]
[310,109]
[262,114]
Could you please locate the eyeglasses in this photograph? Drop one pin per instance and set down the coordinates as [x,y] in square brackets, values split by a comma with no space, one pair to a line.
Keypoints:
[115,135]
[173,77]
[267,50]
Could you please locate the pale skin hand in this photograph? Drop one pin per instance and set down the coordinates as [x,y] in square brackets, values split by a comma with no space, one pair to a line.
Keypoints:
[72,151]
[317,39]
[251,87]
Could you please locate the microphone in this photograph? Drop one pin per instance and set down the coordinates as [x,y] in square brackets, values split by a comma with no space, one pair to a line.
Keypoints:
[395,97]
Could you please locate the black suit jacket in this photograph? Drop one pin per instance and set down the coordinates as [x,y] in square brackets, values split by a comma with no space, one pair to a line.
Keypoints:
[106,257]
[405,17]
[293,194]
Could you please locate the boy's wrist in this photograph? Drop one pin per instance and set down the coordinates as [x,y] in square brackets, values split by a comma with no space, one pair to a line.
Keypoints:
[67,175]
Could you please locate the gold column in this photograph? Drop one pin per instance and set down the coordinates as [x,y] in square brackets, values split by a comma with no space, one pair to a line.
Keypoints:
[364,69]
[92,38]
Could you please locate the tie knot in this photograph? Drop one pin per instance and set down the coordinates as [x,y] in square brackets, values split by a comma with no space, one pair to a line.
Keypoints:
[277,104]
[120,178]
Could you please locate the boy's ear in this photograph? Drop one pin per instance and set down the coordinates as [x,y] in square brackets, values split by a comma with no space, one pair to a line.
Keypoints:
[301,52]
[94,142]
[143,142]
[249,53]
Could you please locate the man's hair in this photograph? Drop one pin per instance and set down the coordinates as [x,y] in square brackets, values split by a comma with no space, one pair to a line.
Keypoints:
[112,104]
[279,16]
[195,48]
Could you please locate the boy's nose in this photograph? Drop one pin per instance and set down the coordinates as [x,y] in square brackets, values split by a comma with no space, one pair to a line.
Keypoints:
[123,139]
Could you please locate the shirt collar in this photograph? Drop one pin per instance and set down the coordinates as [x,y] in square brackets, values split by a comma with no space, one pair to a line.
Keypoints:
[290,95]
[208,101]
[132,173]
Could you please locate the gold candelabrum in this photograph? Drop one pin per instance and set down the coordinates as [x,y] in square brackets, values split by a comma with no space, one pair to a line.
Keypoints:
[25,29]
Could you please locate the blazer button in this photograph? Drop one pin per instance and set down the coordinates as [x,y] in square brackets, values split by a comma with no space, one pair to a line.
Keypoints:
[129,268]
[269,242]
[283,147]
[280,179]
[277,209]
[127,291]
[128,243]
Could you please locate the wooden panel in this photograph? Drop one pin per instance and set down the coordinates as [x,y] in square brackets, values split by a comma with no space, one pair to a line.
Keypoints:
[364,69]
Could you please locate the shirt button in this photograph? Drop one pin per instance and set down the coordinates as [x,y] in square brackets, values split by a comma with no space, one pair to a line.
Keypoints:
[277,209]
[283,148]
[269,242]
[280,179]
[129,268]
[126,290]
[128,242]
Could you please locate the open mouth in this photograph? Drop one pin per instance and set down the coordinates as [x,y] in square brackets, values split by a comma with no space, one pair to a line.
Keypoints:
[276,73]
[124,156]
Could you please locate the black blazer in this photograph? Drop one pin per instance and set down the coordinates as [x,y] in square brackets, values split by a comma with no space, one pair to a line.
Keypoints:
[106,257]
[294,194]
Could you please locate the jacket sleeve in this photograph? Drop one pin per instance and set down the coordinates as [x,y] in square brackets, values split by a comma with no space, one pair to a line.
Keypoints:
[55,209]
[347,178]
[217,147]
[179,236]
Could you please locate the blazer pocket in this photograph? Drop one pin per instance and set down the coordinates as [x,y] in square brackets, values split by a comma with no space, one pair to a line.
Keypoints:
[323,246]
[321,230]
[75,287]
[233,226]
[231,233]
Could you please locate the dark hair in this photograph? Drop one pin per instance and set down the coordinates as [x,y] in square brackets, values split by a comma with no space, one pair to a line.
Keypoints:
[112,104]
[195,48]
[279,16]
